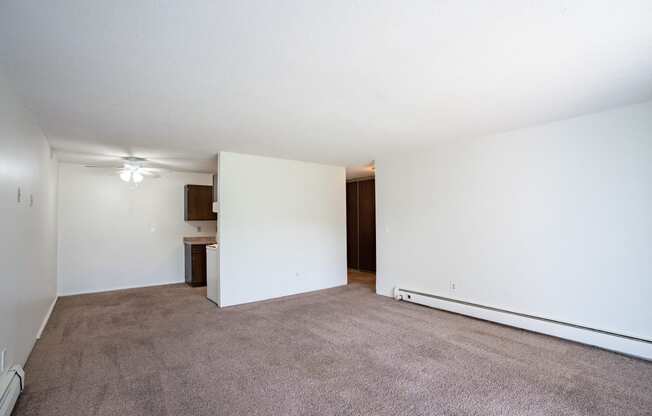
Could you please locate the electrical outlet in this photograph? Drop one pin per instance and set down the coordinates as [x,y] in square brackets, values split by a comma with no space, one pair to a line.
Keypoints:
[3,354]
[31,200]
[452,286]
[19,195]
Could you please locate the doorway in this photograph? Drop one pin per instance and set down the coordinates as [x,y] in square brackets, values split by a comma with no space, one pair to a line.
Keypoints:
[361,230]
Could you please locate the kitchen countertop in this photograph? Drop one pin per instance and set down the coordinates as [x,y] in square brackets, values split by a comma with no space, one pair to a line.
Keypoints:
[199,240]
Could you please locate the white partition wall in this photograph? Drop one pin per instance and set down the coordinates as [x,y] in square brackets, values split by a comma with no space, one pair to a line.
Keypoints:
[282,227]
[553,221]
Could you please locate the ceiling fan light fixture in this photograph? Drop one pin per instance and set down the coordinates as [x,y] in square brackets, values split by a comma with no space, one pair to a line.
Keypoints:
[137,177]
[132,170]
[125,175]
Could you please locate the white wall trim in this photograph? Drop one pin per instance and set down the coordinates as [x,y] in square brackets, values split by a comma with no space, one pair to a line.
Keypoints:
[113,289]
[47,318]
[288,296]
[622,344]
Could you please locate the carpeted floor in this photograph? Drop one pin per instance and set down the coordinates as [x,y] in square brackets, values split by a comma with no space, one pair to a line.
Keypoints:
[344,351]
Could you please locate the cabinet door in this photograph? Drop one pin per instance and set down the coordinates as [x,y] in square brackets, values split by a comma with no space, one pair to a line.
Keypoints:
[352,225]
[367,224]
[199,203]
[198,265]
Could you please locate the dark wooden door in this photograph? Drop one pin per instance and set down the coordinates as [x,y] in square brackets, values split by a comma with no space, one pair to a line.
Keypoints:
[367,224]
[352,239]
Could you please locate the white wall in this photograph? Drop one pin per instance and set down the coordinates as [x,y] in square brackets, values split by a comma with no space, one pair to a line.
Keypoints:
[282,227]
[28,233]
[553,221]
[112,236]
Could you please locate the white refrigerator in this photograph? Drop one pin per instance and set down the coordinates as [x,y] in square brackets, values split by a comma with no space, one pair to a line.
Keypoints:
[213,273]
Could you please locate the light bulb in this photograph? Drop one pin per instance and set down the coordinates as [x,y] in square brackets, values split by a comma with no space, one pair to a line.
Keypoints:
[125,175]
[137,177]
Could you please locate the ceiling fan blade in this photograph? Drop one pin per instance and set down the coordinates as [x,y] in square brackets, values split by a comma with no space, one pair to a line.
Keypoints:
[200,165]
[149,174]
[104,166]
[149,168]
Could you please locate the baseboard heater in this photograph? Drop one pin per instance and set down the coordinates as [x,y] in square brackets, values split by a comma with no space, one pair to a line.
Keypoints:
[12,383]
[626,344]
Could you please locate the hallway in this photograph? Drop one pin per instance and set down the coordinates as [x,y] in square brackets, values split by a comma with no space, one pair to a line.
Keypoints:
[363,278]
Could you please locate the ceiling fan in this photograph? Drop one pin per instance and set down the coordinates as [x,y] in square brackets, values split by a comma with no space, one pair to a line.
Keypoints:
[133,169]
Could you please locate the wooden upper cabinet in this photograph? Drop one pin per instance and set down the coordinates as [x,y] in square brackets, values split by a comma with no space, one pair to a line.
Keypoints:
[198,203]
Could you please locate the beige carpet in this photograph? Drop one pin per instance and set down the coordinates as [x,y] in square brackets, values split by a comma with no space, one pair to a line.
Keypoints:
[344,351]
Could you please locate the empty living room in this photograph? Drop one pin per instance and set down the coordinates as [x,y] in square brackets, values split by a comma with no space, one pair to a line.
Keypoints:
[298,207]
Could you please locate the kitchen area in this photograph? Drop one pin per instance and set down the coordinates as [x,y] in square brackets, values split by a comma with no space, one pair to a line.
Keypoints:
[201,256]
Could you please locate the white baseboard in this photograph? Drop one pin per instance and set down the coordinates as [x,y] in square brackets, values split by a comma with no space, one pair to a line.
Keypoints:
[614,342]
[111,289]
[47,318]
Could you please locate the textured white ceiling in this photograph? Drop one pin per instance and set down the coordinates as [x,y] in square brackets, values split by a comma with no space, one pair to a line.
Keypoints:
[339,82]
